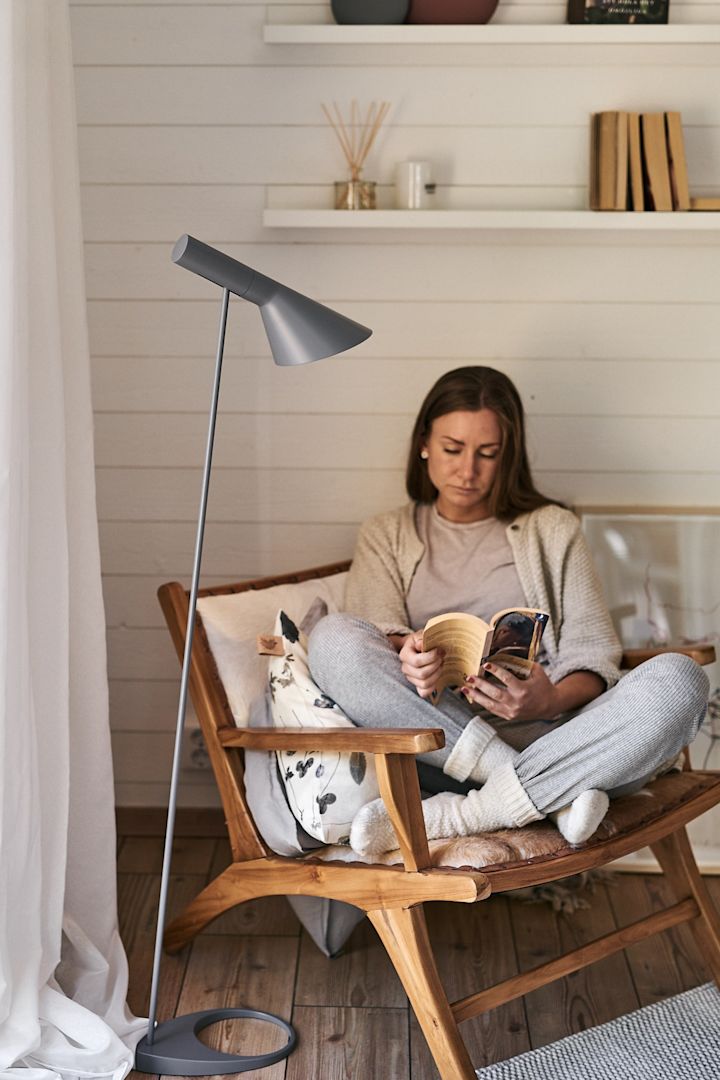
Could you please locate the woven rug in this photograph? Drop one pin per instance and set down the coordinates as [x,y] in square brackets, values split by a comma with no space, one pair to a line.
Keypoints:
[677,1039]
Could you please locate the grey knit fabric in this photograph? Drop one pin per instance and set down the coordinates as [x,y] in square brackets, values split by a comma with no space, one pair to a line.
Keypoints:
[677,1039]
[622,739]
[555,569]
[354,663]
[615,743]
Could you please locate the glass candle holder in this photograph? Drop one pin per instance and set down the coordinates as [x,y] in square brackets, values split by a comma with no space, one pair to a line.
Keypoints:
[355,195]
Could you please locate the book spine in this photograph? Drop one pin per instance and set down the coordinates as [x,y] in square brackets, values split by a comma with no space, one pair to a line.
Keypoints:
[637,198]
[656,165]
[609,161]
[678,165]
[594,161]
[621,162]
[703,202]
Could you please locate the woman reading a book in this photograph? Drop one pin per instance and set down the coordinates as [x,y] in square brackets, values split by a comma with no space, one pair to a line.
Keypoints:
[477,536]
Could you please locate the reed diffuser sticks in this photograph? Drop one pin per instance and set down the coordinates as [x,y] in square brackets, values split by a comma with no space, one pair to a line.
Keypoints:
[356,137]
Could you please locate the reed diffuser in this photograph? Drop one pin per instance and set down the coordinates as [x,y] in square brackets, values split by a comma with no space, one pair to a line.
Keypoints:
[356,138]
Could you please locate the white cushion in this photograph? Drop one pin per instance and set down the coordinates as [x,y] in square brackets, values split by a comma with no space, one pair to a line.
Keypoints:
[233,621]
[324,788]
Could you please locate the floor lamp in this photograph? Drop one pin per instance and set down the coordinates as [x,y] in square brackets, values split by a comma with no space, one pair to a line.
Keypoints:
[299,330]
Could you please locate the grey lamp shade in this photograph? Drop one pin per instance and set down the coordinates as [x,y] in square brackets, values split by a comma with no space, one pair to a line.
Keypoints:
[299,329]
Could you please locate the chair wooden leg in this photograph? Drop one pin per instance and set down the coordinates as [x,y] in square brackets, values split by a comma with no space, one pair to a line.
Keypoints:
[676,858]
[219,896]
[403,932]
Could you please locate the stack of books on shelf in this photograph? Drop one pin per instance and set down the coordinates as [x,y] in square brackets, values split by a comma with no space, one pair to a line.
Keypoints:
[637,162]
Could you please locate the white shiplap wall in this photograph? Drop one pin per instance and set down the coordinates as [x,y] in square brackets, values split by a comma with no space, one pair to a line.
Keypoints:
[189,123]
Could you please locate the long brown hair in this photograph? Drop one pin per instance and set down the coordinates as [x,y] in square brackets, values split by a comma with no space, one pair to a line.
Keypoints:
[469,389]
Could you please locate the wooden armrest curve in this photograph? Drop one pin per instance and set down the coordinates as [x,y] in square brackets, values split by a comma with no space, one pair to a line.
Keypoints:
[368,740]
[701,654]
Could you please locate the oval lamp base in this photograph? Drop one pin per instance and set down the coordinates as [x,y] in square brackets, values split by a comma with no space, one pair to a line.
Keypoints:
[177,1051]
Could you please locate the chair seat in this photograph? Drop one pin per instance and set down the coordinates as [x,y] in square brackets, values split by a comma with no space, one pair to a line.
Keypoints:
[507,848]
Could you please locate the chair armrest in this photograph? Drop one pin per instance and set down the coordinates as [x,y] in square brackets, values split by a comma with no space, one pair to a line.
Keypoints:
[701,654]
[367,740]
[396,772]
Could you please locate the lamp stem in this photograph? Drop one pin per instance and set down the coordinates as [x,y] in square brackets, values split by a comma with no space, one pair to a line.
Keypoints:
[182,704]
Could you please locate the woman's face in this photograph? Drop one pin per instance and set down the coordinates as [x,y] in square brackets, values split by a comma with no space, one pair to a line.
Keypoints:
[463,457]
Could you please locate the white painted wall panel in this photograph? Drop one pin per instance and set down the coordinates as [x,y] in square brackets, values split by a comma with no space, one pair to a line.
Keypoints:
[467,96]
[189,122]
[158,34]
[131,599]
[483,274]
[248,494]
[233,552]
[136,653]
[256,155]
[469,331]
[590,386]
[253,439]
[143,213]
[253,155]
[150,705]
[144,749]
[378,442]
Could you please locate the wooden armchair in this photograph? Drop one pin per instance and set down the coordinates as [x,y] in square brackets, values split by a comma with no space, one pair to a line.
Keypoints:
[392,888]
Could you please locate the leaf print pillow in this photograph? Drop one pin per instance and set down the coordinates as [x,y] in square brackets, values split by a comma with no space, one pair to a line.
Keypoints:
[325,789]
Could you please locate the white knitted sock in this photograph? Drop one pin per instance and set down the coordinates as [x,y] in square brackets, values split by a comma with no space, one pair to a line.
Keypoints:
[478,752]
[500,804]
[496,753]
[579,820]
[371,831]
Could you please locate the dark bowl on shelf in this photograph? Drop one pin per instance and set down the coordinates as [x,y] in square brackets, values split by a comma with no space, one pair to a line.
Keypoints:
[369,12]
[451,11]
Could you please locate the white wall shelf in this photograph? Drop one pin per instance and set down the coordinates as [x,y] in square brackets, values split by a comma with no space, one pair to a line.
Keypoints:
[492,219]
[510,34]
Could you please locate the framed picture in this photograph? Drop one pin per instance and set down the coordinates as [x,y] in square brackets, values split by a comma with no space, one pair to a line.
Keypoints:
[661,576]
[617,11]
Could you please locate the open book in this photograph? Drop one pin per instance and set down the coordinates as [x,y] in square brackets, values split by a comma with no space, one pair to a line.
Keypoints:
[511,639]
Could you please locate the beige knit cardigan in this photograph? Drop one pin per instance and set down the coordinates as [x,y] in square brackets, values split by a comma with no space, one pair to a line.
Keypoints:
[555,570]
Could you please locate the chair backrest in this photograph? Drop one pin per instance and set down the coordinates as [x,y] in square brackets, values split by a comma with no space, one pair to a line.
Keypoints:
[211,702]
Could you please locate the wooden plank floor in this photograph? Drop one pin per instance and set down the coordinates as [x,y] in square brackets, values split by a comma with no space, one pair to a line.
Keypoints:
[351,1013]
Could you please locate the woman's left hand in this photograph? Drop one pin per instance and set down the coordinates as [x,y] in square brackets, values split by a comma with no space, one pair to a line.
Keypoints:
[534,698]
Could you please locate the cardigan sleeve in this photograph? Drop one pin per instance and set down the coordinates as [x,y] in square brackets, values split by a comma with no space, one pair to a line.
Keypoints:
[374,589]
[586,637]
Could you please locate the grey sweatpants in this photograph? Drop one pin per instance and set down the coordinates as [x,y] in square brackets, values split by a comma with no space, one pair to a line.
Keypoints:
[615,743]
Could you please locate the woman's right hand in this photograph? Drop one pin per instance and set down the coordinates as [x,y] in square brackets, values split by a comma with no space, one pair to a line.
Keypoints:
[420,668]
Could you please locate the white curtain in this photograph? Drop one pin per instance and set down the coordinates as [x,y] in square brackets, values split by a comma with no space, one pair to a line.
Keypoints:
[63,972]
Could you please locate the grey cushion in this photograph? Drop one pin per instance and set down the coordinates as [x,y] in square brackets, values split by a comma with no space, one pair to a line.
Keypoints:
[265,794]
[328,922]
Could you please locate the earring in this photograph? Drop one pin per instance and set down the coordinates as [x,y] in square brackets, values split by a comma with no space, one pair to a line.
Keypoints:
[424,455]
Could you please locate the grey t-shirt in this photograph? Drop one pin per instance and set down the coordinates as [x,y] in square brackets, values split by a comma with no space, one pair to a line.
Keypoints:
[464,568]
[469,568]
